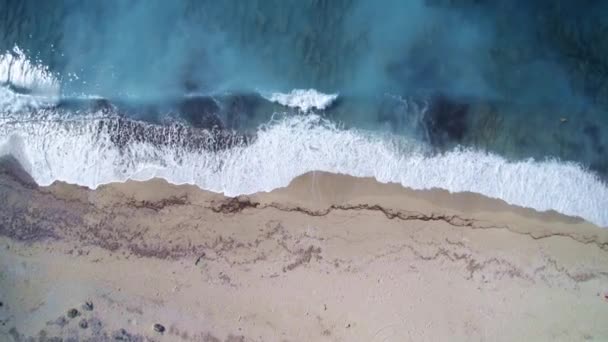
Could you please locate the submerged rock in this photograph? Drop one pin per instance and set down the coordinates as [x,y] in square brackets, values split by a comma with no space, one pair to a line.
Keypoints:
[201,112]
[446,120]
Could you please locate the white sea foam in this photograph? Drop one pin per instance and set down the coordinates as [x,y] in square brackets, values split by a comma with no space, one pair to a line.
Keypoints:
[16,69]
[15,102]
[78,152]
[41,87]
[303,99]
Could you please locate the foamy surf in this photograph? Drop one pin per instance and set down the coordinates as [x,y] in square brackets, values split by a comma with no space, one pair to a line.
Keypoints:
[303,99]
[80,152]
[18,70]
[39,87]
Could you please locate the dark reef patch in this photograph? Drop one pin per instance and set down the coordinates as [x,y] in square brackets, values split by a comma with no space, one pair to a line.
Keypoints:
[240,108]
[446,120]
[11,167]
[201,112]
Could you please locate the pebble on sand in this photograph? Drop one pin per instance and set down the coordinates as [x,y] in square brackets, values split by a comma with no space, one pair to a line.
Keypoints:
[73,313]
[83,324]
[159,328]
[88,306]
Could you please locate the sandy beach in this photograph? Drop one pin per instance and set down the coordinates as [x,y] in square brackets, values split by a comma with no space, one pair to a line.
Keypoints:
[328,258]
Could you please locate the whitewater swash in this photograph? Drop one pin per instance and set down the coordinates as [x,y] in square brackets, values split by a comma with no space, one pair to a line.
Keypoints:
[79,152]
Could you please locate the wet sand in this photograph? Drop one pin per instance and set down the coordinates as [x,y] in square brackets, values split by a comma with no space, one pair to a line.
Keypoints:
[329,258]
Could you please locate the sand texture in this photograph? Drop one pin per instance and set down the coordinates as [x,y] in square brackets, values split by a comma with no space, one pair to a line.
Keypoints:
[329,258]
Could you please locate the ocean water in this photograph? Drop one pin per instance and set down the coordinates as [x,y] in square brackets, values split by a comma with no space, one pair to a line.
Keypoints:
[506,99]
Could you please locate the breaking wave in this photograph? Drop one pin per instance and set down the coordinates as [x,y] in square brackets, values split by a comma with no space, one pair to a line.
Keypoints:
[99,147]
[25,84]
[83,152]
[303,99]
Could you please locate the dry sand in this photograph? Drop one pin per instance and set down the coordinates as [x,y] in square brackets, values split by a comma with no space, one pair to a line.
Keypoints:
[329,258]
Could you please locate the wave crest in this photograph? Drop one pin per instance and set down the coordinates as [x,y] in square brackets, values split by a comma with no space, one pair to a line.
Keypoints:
[25,84]
[303,99]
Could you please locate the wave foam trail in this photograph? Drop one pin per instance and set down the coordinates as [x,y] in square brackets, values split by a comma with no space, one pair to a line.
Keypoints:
[303,99]
[82,153]
[18,70]
[37,85]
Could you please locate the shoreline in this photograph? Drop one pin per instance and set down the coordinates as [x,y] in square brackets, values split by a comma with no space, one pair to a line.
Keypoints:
[98,152]
[328,258]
